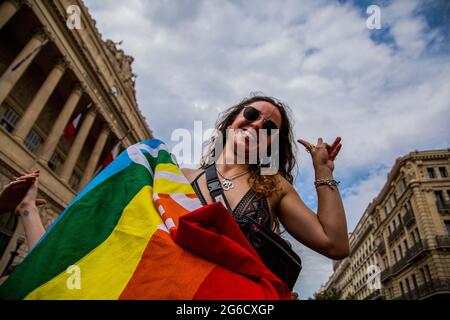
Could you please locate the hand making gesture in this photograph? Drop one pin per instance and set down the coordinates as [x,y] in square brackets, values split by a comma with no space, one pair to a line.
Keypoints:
[323,154]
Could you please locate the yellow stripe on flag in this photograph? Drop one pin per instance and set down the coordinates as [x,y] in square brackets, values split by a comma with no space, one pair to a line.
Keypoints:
[163,185]
[106,270]
[168,167]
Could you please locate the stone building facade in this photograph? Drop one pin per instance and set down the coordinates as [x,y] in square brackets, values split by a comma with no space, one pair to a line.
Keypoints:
[51,72]
[405,232]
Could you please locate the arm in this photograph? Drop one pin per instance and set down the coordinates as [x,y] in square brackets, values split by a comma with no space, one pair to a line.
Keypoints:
[325,232]
[21,195]
[34,229]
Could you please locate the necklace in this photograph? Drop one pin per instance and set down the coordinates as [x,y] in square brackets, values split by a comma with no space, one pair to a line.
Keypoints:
[227,183]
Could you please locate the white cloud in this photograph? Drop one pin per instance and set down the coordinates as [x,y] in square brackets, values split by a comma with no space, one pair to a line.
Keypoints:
[358,196]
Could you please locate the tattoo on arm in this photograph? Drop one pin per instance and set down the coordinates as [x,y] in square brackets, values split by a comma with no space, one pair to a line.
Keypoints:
[25,213]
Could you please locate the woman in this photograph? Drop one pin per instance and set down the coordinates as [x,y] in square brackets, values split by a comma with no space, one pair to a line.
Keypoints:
[270,199]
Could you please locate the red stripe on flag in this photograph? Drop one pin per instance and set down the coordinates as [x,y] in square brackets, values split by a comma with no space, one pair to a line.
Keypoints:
[166,272]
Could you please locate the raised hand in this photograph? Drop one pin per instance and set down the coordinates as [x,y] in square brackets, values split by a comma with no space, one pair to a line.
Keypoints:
[323,154]
[22,190]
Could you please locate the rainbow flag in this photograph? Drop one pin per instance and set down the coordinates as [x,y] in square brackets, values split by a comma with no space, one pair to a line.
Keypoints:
[138,231]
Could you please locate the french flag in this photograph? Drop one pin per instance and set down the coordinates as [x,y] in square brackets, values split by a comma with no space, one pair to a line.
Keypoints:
[71,128]
[112,155]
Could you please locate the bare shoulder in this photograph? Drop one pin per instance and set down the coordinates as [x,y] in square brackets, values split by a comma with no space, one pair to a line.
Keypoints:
[284,185]
[191,174]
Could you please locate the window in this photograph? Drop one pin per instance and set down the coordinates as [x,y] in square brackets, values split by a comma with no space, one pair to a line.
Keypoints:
[388,207]
[408,206]
[400,251]
[33,141]
[391,202]
[405,244]
[54,162]
[447,226]
[401,288]
[395,255]
[9,119]
[407,285]
[415,281]
[431,173]
[443,172]
[417,234]
[74,181]
[8,223]
[413,236]
[427,270]
[439,199]
[424,278]
[402,185]
[378,220]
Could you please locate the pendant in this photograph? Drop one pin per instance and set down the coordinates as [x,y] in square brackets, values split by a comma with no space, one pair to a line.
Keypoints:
[227,184]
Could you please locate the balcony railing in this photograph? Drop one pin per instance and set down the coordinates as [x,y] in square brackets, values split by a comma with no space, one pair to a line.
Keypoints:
[436,286]
[400,230]
[416,249]
[385,274]
[400,264]
[381,249]
[392,236]
[408,219]
[362,236]
[396,233]
[443,241]
[375,295]
[443,206]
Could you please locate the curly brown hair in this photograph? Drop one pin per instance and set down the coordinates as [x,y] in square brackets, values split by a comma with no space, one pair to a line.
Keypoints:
[263,185]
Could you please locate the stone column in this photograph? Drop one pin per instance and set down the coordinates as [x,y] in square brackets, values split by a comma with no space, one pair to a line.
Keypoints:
[8,9]
[47,149]
[77,146]
[10,78]
[95,155]
[40,99]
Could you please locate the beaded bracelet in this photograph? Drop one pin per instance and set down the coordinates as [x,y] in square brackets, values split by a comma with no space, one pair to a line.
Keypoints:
[326,182]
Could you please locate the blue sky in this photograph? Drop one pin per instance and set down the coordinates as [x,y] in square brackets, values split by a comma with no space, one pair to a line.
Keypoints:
[385,92]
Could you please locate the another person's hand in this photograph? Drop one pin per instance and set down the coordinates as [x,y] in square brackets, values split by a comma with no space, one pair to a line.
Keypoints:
[26,207]
[22,190]
[323,154]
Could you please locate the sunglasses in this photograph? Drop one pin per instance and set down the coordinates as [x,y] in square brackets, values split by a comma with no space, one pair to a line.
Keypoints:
[253,114]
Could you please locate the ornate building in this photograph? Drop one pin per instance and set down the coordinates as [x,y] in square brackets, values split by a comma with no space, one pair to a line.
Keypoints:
[51,73]
[405,232]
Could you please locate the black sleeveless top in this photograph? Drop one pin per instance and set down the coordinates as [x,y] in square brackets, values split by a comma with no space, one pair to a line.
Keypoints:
[249,205]
[276,252]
